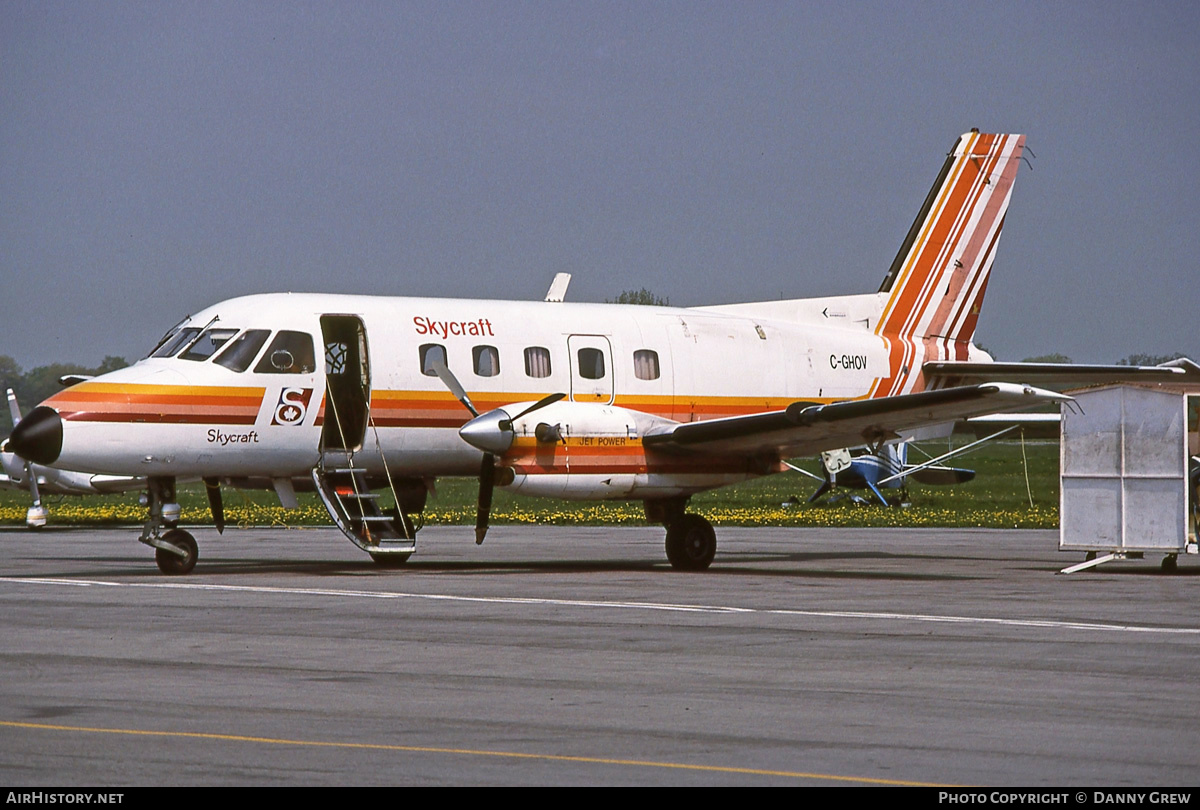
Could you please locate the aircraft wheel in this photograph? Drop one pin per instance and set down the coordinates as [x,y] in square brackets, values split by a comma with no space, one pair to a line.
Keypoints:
[1170,563]
[390,560]
[691,543]
[170,563]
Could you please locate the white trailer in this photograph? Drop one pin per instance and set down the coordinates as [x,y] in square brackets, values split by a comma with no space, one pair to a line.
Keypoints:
[1126,454]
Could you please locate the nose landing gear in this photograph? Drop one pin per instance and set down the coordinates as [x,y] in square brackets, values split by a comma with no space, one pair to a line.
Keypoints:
[175,551]
[178,560]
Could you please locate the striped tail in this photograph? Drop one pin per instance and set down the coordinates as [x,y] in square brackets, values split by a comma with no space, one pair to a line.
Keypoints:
[935,287]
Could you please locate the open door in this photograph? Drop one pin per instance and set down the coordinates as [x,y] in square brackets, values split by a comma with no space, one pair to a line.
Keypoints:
[347,382]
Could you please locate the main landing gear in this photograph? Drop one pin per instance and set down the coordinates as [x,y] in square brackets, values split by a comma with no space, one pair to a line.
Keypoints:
[175,550]
[691,540]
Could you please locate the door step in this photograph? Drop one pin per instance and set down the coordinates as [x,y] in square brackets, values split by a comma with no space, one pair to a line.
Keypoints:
[355,511]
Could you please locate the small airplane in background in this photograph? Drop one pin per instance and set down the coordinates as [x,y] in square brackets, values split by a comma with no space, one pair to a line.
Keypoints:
[569,400]
[38,479]
[885,468]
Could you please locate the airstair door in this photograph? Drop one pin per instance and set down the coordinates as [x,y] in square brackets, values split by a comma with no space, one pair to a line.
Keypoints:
[347,383]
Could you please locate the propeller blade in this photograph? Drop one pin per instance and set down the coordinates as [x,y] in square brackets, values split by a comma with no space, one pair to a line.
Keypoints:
[31,477]
[450,381]
[541,403]
[14,408]
[212,487]
[487,481]
[36,516]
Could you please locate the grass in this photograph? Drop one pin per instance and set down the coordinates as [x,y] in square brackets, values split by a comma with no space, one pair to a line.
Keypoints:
[996,498]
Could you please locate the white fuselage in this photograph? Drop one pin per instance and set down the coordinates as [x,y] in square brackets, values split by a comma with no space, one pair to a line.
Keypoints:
[635,366]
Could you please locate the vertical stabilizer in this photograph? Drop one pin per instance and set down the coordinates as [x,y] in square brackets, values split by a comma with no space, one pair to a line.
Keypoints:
[935,287]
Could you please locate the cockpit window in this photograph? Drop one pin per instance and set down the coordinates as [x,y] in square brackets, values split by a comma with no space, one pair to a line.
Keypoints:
[162,341]
[208,344]
[289,353]
[173,344]
[243,349]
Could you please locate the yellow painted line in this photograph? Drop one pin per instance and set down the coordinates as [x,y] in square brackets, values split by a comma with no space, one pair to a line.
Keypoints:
[420,749]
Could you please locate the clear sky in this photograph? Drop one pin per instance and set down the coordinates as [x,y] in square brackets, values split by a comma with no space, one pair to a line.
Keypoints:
[158,157]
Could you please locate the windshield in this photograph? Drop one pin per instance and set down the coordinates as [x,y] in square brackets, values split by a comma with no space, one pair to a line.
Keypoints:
[241,352]
[208,344]
[170,334]
[174,343]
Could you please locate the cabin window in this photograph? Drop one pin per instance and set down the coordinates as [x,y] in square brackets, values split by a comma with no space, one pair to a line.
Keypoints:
[645,364]
[591,364]
[208,344]
[178,341]
[486,361]
[289,353]
[431,353]
[537,361]
[243,349]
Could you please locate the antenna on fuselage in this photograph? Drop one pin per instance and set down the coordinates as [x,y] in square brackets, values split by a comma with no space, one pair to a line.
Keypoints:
[558,288]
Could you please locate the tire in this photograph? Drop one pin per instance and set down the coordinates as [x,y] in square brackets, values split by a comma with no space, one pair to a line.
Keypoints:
[691,543]
[173,564]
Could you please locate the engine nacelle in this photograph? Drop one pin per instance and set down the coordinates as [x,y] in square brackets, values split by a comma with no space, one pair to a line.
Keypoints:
[578,450]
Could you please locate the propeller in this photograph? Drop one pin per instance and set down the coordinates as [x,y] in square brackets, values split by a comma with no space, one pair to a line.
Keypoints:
[212,487]
[491,432]
[36,515]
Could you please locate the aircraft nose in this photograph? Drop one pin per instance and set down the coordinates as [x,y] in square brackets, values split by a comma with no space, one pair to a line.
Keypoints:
[38,437]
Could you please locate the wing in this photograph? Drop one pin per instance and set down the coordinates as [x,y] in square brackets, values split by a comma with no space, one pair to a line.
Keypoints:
[805,429]
[949,373]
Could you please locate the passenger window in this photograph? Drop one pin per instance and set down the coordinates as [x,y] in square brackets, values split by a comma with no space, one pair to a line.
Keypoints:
[431,352]
[182,338]
[208,344]
[591,364]
[243,349]
[537,362]
[289,353]
[486,361]
[645,364]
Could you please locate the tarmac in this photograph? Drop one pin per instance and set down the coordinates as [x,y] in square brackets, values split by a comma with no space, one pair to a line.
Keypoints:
[576,656]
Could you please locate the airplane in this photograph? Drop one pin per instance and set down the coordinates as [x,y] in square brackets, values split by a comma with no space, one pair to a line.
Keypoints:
[37,479]
[572,400]
[885,468]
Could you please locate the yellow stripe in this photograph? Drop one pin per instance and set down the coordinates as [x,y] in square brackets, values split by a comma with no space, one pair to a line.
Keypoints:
[172,390]
[421,749]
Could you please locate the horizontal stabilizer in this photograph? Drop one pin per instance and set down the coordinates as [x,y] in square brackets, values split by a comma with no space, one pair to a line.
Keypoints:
[950,373]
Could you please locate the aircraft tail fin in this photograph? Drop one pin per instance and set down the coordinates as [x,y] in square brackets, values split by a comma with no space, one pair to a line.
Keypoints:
[935,287]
